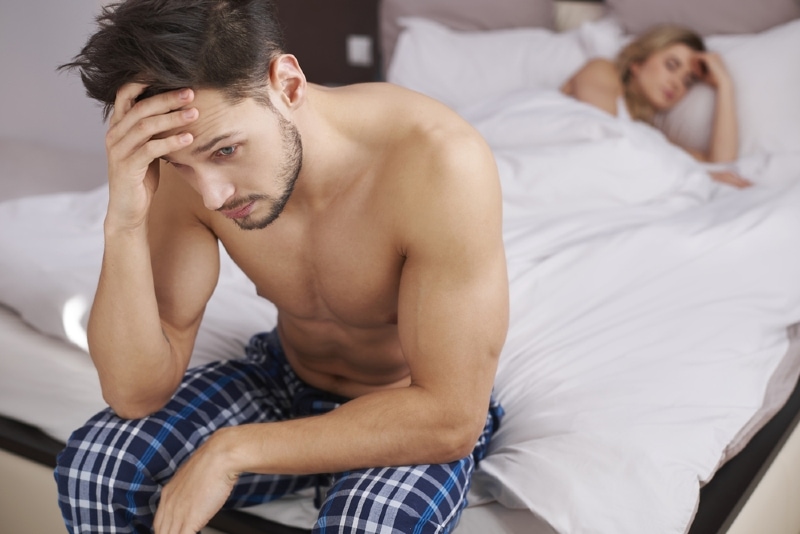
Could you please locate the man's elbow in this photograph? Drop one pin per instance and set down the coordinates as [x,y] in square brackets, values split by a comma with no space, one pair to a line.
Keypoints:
[132,406]
[458,435]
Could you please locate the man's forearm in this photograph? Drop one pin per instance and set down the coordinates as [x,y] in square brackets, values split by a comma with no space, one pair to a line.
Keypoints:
[126,340]
[405,426]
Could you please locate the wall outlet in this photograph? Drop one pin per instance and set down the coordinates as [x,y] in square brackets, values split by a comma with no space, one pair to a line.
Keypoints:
[359,51]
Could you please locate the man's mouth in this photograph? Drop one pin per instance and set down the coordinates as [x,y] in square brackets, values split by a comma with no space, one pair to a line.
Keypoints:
[239,213]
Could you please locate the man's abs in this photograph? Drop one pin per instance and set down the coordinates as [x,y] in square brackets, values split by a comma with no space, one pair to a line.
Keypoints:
[343,360]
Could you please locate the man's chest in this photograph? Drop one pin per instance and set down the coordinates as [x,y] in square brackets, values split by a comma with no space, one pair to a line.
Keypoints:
[347,273]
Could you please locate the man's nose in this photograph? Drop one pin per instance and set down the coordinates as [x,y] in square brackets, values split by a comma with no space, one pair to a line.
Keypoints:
[214,190]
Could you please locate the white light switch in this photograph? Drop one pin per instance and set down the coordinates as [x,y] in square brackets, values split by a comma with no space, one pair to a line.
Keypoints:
[359,50]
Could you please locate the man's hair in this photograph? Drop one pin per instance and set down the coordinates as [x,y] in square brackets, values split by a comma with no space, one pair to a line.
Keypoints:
[226,45]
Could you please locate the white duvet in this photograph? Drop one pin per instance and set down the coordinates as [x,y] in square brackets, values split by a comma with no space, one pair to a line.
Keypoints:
[649,312]
[649,305]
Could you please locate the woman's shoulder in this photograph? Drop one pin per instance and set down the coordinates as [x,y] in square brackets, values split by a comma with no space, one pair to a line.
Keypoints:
[597,83]
[600,71]
[597,74]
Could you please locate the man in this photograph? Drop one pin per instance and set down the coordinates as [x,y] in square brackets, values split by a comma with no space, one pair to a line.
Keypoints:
[369,215]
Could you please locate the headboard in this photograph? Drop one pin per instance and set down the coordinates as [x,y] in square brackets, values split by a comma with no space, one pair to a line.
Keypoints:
[462,15]
[707,17]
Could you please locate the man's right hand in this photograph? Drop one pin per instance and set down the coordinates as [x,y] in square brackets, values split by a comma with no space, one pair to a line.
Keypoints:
[136,139]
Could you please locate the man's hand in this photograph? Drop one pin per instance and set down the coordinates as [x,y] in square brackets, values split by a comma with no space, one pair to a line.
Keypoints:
[196,492]
[136,139]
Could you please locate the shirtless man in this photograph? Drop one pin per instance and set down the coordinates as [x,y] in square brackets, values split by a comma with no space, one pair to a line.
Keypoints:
[369,215]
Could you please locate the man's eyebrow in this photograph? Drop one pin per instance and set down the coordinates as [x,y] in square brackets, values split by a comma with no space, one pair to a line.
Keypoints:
[208,146]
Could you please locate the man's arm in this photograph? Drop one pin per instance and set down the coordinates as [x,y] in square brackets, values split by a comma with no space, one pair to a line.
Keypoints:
[452,322]
[140,358]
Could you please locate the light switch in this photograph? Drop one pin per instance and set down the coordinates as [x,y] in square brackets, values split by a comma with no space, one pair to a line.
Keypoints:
[359,50]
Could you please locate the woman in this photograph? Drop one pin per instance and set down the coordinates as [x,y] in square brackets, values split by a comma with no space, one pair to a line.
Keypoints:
[651,75]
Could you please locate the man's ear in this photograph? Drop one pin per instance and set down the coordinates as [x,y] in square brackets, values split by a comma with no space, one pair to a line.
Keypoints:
[287,80]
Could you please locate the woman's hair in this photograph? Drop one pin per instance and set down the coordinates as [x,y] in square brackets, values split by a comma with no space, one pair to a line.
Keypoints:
[170,44]
[638,50]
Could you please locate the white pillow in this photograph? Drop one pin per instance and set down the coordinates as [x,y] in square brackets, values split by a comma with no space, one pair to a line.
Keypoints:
[765,69]
[463,68]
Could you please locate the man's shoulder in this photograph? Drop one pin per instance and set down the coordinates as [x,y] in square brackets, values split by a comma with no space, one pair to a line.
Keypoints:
[425,149]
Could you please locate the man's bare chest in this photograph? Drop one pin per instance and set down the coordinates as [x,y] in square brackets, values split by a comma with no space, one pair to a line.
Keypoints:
[342,272]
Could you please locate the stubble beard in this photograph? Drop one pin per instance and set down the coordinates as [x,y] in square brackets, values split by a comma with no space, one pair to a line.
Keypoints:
[290,170]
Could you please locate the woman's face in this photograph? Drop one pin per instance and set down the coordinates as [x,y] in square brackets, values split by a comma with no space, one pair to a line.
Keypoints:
[666,75]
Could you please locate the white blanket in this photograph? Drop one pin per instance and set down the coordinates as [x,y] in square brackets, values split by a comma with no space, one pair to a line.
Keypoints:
[649,313]
[649,310]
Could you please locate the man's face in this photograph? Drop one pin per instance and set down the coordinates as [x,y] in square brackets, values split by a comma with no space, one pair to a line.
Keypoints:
[244,159]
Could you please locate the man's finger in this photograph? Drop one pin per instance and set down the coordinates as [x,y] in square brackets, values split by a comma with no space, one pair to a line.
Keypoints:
[125,100]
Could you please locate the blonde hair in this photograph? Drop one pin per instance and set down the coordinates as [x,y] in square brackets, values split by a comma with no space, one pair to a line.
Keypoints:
[637,52]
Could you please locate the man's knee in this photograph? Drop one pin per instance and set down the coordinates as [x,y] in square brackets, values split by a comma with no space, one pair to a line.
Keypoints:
[104,476]
[422,499]
[99,455]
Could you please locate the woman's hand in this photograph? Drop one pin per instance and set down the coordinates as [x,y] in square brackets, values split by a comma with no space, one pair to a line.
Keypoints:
[730,178]
[136,139]
[712,69]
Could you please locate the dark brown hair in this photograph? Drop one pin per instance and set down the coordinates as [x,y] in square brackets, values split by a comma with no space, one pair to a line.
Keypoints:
[170,44]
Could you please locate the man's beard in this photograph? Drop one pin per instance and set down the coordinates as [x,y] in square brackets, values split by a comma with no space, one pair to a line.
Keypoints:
[290,169]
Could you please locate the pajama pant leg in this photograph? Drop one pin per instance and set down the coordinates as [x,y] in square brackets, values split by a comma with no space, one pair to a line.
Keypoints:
[418,499]
[110,474]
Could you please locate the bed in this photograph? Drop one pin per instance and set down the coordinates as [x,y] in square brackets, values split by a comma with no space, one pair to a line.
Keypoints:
[650,373]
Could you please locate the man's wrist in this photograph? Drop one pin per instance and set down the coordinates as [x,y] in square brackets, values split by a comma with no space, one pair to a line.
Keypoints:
[226,446]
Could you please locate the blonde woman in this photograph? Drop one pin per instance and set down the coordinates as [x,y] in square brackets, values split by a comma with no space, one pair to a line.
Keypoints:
[652,74]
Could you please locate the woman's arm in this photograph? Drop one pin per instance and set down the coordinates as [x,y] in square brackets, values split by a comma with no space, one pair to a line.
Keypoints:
[724,142]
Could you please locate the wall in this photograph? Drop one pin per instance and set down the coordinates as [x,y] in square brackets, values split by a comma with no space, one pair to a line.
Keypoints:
[36,102]
[318,32]
[39,104]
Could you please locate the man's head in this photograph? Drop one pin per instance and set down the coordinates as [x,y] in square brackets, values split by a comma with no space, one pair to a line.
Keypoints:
[226,45]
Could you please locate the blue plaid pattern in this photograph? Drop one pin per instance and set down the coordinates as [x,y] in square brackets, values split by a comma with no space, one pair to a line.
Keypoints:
[111,472]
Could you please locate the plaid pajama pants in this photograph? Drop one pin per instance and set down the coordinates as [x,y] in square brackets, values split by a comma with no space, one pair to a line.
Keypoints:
[110,473]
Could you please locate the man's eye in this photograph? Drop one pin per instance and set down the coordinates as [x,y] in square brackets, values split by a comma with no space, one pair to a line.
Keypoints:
[168,162]
[226,151]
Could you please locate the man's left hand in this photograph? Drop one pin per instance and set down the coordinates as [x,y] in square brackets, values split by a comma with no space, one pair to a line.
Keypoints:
[196,492]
